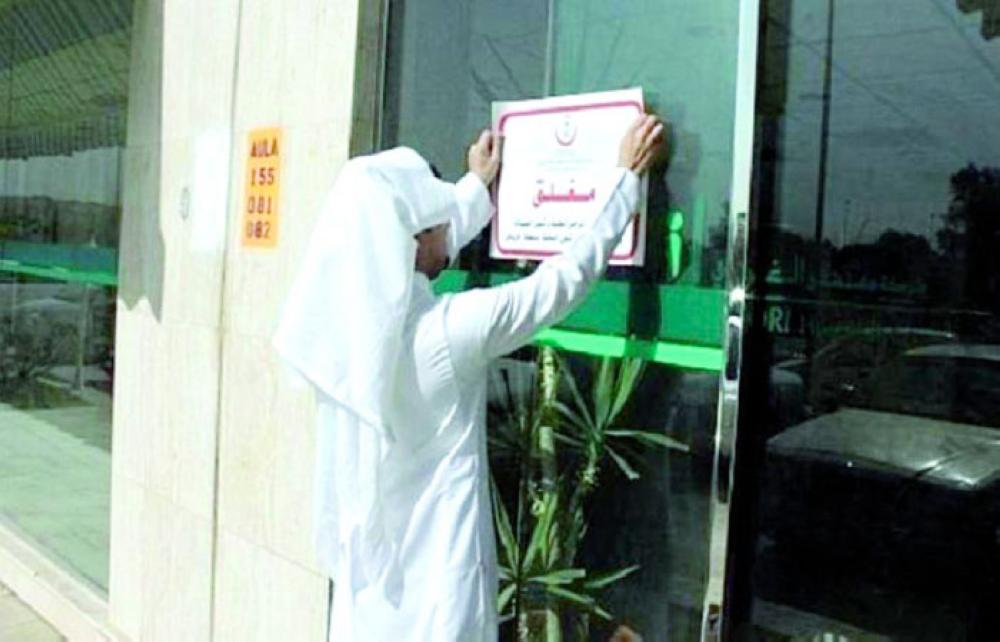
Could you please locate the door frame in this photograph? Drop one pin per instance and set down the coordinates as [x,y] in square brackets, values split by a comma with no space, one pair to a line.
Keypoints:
[727,414]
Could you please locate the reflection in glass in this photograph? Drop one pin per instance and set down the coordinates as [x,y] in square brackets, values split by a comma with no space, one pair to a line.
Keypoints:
[871,510]
[63,82]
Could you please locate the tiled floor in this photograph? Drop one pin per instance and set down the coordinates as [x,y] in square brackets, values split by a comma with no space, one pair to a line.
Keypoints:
[18,623]
[55,479]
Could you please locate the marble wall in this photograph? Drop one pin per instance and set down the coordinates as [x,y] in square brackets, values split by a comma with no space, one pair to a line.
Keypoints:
[213,444]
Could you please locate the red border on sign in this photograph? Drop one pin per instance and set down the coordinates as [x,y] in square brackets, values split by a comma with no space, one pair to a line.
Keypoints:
[556,110]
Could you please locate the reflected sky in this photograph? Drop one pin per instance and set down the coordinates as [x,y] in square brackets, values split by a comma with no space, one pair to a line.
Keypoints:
[914,95]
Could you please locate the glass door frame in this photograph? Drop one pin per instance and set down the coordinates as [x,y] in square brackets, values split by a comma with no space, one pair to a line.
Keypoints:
[721,493]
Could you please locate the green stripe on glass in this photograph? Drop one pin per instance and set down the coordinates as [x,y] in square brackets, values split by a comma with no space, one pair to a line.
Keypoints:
[61,262]
[676,354]
[677,314]
[60,273]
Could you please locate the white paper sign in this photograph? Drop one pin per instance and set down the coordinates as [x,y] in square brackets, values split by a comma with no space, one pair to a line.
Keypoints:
[557,157]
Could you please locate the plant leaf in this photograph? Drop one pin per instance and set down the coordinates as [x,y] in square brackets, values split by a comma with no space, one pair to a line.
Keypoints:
[654,438]
[577,397]
[584,601]
[540,544]
[566,439]
[561,576]
[628,377]
[579,422]
[600,612]
[602,580]
[603,392]
[623,464]
[504,530]
[573,597]
[504,597]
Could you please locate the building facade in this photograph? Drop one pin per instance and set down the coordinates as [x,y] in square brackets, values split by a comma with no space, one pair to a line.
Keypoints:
[784,426]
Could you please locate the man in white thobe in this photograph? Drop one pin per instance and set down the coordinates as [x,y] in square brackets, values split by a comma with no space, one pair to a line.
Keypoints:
[403,514]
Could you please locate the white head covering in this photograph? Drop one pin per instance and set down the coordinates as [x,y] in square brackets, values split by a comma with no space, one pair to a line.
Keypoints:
[341,329]
[343,319]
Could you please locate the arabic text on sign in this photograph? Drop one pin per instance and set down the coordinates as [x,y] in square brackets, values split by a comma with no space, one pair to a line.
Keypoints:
[558,156]
[569,197]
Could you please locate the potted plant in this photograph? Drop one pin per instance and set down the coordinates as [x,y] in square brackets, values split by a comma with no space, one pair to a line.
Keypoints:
[550,449]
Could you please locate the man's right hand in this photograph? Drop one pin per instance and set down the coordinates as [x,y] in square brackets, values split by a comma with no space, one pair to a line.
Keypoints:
[484,157]
[641,143]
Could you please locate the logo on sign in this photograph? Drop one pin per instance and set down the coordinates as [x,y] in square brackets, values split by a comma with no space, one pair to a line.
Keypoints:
[566,132]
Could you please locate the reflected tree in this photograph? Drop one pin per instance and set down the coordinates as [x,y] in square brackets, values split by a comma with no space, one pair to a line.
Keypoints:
[970,237]
[991,15]
[899,257]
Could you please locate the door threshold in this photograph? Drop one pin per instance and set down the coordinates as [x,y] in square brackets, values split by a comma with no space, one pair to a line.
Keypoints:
[72,607]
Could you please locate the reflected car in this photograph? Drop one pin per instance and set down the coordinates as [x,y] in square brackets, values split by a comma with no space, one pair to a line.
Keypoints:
[845,363]
[692,406]
[40,325]
[898,474]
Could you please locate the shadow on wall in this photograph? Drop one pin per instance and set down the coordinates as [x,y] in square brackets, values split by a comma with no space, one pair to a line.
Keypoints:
[141,264]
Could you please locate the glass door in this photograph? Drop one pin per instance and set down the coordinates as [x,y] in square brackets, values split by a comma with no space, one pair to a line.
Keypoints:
[870,430]
[611,438]
[64,86]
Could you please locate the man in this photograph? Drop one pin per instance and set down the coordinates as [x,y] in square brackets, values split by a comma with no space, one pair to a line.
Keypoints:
[403,518]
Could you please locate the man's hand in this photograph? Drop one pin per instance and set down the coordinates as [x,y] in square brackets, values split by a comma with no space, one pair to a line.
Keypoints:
[484,157]
[641,143]
[625,634]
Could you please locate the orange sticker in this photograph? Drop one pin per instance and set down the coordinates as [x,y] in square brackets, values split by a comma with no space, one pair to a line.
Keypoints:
[261,197]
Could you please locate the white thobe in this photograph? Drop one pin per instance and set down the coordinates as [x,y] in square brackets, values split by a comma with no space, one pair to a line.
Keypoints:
[434,481]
